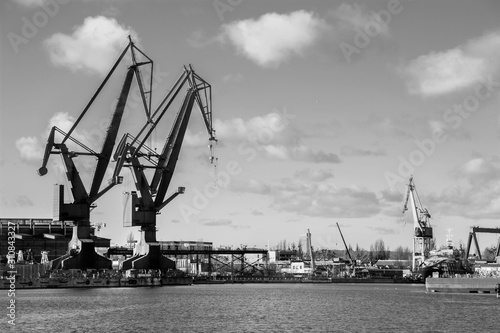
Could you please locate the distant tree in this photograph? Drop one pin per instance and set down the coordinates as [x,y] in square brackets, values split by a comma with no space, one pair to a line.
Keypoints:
[351,251]
[371,254]
[379,250]
[489,253]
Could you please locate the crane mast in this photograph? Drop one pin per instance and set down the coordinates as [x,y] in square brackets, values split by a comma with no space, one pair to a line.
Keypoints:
[422,240]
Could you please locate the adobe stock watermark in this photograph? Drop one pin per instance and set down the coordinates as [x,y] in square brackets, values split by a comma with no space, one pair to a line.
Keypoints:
[11,264]
[31,26]
[224,6]
[249,150]
[453,117]
[379,22]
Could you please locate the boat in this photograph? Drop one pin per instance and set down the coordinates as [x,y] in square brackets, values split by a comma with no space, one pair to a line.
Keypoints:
[472,284]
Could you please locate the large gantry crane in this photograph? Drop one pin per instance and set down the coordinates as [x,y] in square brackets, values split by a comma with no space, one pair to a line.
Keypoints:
[473,239]
[81,249]
[142,205]
[422,240]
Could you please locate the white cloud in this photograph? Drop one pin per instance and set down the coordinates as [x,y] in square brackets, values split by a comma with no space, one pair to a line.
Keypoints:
[349,17]
[273,135]
[476,199]
[455,69]
[249,186]
[29,148]
[92,47]
[273,38]
[61,120]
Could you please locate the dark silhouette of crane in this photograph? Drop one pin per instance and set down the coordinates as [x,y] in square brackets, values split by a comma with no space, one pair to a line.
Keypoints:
[81,249]
[143,205]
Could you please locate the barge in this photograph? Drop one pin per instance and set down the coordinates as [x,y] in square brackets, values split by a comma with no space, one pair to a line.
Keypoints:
[485,285]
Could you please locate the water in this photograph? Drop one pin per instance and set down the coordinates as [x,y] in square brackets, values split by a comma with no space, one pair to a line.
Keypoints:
[255,308]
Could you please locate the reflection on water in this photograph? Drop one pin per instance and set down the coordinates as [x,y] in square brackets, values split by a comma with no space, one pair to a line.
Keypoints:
[256,308]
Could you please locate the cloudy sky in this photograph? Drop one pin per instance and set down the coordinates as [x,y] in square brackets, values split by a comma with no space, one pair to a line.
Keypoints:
[323,110]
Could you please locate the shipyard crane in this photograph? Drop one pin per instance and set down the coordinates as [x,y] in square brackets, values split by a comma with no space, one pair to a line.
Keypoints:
[473,239]
[422,240]
[352,262]
[142,205]
[81,249]
[310,250]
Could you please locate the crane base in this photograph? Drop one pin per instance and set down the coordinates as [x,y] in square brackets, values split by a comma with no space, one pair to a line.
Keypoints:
[149,258]
[86,258]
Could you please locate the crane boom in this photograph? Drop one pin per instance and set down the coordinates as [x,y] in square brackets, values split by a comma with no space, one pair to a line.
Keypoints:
[346,248]
[110,139]
[420,215]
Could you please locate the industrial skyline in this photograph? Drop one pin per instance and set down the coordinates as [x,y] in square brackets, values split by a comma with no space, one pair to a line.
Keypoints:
[323,111]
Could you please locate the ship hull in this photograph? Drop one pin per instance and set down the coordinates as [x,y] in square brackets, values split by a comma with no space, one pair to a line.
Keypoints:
[484,285]
[95,283]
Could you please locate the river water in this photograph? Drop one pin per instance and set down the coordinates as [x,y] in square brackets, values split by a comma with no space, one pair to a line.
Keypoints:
[254,308]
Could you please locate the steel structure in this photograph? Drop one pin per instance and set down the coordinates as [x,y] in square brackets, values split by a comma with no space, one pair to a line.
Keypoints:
[237,256]
[352,262]
[81,249]
[310,251]
[422,240]
[473,239]
[142,205]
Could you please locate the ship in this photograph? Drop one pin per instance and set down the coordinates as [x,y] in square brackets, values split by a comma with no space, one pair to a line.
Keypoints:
[472,274]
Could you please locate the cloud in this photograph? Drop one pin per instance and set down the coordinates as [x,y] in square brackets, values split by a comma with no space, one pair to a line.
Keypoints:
[215,223]
[308,155]
[249,186]
[273,136]
[313,193]
[29,148]
[384,231]
[92,47]
[222,222]
[315,175]
[476,192]
[479,170]
[393,195]
[351,17]
[324,200]
[31,3]
[274,38]
[353,151]
[444,72]
[233,78]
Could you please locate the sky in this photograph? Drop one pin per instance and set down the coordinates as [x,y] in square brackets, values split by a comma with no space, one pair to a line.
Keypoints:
[323,110]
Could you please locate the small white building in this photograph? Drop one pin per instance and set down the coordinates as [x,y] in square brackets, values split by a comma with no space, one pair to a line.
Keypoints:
[300,267]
